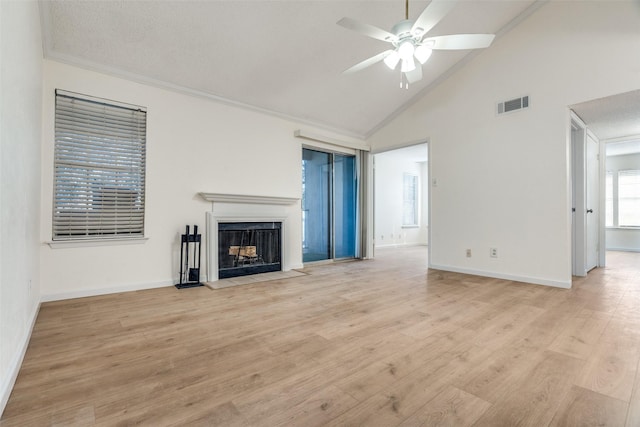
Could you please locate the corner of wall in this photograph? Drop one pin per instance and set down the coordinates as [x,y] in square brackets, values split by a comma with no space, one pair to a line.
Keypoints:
[14,366]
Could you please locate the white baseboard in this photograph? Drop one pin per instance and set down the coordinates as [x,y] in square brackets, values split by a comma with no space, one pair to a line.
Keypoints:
[81,293]
[14,367]
[624,249]
[399,245]
[524,279]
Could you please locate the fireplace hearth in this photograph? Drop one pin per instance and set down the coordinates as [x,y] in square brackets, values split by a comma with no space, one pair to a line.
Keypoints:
[246,248]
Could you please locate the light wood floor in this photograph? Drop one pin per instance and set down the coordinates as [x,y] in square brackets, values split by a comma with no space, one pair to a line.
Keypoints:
[376,343]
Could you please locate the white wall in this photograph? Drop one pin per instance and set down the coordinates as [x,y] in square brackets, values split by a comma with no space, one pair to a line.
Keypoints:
[503,181]
[193,145]
[390,168]
[623,239]
[20,136]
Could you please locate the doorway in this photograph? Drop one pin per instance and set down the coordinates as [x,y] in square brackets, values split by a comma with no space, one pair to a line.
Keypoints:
[401,197]
[329,201]
[615,122]
[585,149]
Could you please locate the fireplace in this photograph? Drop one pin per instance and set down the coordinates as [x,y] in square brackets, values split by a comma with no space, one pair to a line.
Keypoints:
[244,211]
[246,248]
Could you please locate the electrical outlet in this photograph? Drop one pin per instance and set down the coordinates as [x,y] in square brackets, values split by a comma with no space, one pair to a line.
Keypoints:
[468,253]
[493,252]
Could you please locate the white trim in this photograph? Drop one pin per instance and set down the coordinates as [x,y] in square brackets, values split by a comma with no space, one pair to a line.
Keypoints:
[85,243]
[627,228]
[523,279]
[628,138]
[578,196]
[243,198]
[16,363]
[104,291]
[400,245]
[430,191]
[212,239]
[403,145]
[329,140]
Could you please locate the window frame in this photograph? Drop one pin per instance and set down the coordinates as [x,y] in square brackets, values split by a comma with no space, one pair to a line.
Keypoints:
[633,174]
[615,196]
[99,171]
[414,201]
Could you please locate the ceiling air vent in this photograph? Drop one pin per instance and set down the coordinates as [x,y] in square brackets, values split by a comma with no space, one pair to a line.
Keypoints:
[513,105]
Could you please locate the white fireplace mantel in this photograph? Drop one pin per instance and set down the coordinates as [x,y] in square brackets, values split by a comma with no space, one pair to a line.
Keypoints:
[247,199]
[246,208]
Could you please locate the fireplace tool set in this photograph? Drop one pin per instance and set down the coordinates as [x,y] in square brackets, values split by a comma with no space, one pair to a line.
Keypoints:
[190,269]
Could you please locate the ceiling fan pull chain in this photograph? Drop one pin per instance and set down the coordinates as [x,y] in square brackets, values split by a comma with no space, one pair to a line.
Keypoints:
[404,83]
[406,10]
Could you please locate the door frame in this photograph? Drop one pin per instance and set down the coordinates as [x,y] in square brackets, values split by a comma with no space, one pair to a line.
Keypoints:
[426,141]
[358,240]
[577,159]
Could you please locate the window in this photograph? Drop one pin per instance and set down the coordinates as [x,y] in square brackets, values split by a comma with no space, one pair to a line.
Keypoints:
[410,200]
[99,168]
[622,200]
[629,198]
[609,200]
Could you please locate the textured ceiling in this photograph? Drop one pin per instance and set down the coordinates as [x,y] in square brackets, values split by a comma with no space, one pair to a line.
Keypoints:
[613,117]
[284,57]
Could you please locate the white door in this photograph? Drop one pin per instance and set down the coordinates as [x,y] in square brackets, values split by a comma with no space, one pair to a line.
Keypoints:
[592,202]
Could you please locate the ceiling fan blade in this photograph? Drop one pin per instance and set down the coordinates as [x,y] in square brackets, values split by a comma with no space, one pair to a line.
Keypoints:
[414,75]
[367,62]
[460,41]
[367,30]
[431,15]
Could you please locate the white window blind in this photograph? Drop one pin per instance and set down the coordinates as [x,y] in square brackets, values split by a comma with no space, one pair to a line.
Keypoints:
[410,200]
[629,198]
[609,199]
[99,162]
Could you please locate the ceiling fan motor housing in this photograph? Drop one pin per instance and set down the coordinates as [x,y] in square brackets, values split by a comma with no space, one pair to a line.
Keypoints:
[402,30]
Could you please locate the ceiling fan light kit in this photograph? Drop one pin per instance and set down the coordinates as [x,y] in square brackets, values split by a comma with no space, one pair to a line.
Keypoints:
[392,59]
[408,43]
[423,53]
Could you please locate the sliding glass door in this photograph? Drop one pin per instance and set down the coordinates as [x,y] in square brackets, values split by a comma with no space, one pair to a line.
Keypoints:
[329,200]
[316,205]
[344,196]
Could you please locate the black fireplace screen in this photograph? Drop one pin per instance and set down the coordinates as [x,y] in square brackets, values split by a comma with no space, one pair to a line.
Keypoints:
[248,248]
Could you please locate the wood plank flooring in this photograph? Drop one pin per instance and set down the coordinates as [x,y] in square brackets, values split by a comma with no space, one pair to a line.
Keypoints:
[383,342]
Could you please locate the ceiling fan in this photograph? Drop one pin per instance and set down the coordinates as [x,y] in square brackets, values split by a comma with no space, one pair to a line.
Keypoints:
[409,41]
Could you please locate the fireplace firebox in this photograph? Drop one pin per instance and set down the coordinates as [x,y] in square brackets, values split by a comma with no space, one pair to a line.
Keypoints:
[249,248]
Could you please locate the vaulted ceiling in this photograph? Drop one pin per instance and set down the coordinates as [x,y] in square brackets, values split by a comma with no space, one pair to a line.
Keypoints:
[281,57]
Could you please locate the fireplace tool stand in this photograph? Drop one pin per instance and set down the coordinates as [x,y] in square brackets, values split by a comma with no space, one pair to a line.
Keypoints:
[190,275]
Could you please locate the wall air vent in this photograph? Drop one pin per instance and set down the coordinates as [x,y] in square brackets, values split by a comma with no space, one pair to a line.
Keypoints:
[513,105]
